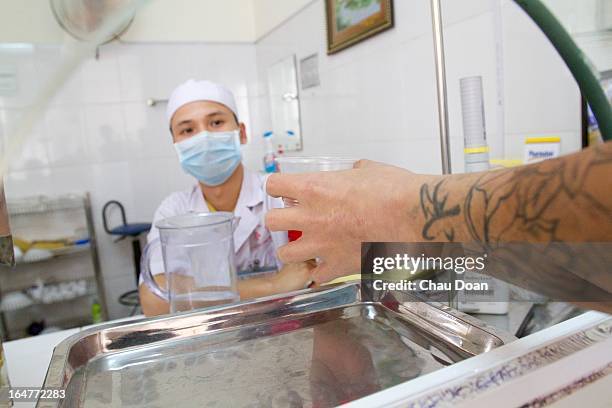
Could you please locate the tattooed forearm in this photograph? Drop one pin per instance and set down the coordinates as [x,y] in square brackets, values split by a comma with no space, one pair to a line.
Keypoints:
[546,227]
[435,209]
[562,199]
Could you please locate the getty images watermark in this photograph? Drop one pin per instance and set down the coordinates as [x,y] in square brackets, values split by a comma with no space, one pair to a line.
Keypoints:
[561,271]
[412,265]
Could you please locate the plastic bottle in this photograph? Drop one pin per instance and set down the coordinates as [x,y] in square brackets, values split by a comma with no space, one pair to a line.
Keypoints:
[269,159]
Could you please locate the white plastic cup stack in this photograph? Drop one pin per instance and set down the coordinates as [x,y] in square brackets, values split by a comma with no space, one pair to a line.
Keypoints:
[476,150]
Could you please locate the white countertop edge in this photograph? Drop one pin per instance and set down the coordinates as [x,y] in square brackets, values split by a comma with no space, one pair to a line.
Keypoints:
[547,380]
[437,379]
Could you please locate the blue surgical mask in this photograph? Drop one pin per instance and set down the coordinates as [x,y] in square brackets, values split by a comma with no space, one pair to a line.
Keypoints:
[211,157]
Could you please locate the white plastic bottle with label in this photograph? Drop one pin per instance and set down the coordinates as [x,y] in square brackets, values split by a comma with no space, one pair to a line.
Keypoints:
[494,300]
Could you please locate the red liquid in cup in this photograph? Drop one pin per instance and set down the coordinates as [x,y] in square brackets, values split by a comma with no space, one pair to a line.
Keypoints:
[294,235]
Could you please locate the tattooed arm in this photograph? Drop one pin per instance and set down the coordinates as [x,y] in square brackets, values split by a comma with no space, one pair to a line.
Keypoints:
[547,227]
[568,199]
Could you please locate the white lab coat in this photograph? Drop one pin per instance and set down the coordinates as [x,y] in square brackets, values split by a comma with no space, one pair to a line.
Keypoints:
[254,244]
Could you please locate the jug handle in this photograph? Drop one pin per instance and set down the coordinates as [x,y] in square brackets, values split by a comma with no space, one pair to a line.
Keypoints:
[145,270]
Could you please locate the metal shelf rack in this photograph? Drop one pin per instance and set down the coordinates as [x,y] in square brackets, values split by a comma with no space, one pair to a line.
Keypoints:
[81,260]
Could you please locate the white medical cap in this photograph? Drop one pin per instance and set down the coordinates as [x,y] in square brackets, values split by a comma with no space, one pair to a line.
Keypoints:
[192,91]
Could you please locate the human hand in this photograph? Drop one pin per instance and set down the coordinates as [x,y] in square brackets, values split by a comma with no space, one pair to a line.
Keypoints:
[293,276]
[339,210]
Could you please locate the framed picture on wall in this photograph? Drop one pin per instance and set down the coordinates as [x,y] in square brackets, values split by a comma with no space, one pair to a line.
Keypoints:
[351,21]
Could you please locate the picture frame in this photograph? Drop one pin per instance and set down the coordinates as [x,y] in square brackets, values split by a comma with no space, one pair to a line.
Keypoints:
[352,21]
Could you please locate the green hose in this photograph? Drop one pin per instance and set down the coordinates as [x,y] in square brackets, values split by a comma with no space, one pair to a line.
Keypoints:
[576,61]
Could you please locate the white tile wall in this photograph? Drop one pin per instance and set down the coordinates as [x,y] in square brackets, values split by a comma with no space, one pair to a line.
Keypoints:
[64,136]
[22,61]
[541,95]
[376,100]
[381,93]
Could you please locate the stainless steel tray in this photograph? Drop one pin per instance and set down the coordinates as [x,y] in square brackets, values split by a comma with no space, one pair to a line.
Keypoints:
[314,348]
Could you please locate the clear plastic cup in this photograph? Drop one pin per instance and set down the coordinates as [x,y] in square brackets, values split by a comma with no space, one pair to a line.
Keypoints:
[311,164]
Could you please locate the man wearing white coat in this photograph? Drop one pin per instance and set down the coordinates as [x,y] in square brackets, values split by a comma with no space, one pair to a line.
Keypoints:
[207,135]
